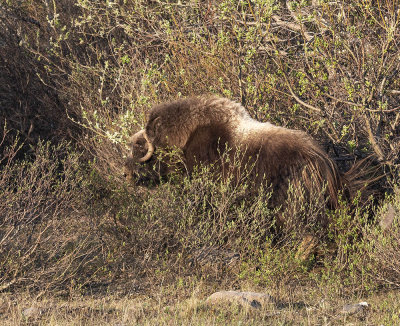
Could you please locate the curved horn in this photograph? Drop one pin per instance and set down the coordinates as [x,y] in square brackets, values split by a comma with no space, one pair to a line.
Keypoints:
[150,149]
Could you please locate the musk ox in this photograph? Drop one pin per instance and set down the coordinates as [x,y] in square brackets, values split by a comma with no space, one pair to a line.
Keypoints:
[203,128]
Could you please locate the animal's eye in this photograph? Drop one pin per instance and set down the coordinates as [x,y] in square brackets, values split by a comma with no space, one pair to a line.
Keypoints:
[140,142]
[139,148]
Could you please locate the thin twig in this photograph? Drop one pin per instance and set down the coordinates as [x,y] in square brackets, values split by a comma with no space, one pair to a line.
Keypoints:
[371,138]
[300,101]
[292,26]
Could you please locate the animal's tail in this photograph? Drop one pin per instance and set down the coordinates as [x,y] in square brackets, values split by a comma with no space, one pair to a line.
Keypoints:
[322,173]
[361,180]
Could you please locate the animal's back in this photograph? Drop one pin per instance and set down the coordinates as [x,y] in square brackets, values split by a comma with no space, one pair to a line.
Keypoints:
[182,117]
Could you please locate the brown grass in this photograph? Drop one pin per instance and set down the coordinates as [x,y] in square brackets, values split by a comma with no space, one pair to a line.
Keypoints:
[171,306]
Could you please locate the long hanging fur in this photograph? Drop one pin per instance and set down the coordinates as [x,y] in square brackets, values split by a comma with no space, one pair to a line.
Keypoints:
[204,127]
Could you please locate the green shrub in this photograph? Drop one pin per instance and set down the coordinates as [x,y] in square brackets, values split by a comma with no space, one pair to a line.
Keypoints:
[42,244]
[90,71]
[296,64]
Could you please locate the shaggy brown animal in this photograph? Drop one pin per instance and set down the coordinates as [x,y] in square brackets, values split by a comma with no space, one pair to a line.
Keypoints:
[203,128]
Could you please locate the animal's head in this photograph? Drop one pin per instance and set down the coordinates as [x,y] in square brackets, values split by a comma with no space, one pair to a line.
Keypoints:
[138,165]
[143,165]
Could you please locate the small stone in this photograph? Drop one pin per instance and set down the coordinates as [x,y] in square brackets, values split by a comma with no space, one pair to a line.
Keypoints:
[32,312]
[246,299]
[388,218]
[350,309]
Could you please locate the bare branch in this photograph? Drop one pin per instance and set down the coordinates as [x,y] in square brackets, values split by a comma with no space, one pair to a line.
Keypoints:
[372,140]
[292,26]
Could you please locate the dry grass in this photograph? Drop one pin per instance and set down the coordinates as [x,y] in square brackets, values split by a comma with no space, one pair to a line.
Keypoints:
[172,306]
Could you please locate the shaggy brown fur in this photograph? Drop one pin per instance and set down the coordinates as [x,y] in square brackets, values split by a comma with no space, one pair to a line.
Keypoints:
[204,127]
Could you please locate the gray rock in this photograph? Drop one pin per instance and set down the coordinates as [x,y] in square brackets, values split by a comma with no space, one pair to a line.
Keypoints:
[246,299]
[33,312]
[350,309]
[388,218]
